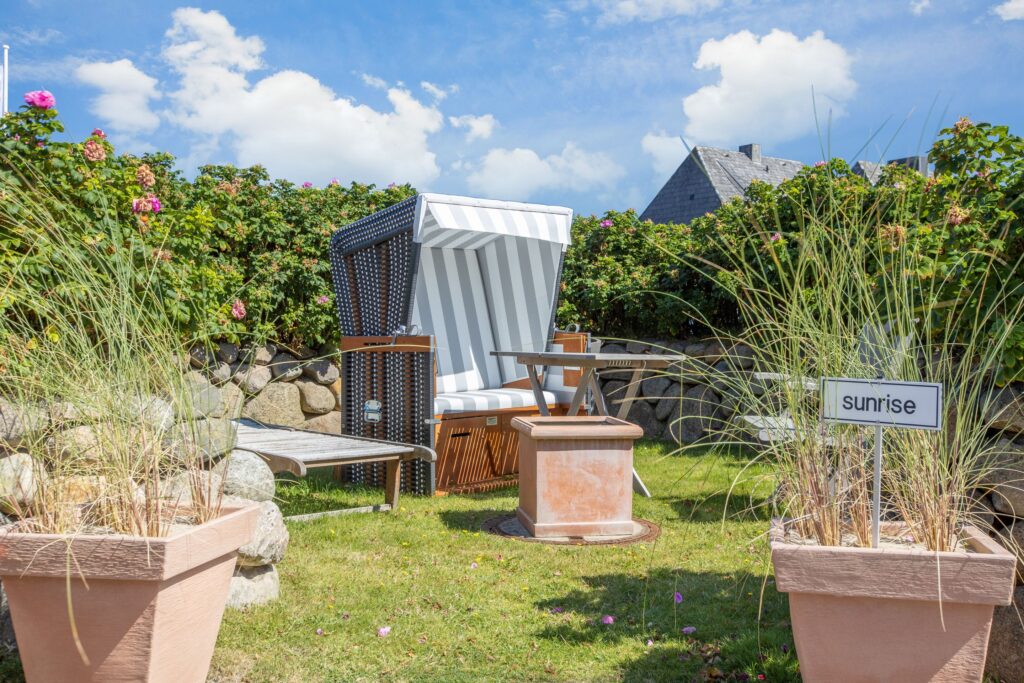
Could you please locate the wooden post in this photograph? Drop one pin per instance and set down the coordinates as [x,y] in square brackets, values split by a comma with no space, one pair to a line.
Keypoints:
[392,483]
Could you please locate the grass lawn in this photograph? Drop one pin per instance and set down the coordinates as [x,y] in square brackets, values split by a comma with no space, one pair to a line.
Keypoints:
[526,612]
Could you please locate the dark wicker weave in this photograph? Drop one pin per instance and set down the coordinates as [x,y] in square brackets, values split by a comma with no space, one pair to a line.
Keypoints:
[373,262]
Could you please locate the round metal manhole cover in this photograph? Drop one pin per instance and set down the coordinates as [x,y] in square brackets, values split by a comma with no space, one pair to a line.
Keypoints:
[510,527]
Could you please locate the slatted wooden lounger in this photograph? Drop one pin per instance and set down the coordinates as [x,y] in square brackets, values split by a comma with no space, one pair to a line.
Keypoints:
[296,450]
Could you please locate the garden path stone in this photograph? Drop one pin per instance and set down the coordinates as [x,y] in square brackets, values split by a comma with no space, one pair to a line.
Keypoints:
[314,398]
[246,475]
[277,404]
[285,367]
[269,539]
[329,423]
[251,586]
[251,378]
[227,352]
[321,371]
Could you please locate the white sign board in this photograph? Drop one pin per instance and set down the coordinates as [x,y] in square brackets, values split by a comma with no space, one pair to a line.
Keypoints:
[914,405]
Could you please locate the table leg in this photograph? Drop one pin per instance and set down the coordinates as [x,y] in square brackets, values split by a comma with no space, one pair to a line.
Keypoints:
[634,384]
[538,391]
[392,483]
[581,391]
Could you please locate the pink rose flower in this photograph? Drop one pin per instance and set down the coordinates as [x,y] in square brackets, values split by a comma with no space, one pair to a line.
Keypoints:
[606,223]
[307,184]
[40,99]
[322,299]
[93,151]
[392,186]
[238,309]
[98,133]
[607,620]
[147,204]
[334,181]
[775,237]
[819,164]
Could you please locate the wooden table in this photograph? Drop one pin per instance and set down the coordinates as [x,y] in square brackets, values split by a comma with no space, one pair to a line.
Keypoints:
[287,449]
[590,363]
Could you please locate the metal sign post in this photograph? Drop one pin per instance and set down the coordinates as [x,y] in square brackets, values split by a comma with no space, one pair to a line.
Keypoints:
[881,403]
[4,89]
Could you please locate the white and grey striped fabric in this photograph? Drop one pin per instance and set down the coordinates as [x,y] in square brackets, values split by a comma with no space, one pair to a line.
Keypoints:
[487,400]
[463,223]
[450,304]
[520,279]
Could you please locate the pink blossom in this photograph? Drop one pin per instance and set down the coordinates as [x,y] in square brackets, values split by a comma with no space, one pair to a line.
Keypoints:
[93,151]
[606,223]
[392,186]
[557,610]
[473,565]
[146,204]
[319,631]
[607,620]
[40,99]
[383,631]
[650,642]
[238,309]
[322,299]
[775,237]
[334,181]
[689,630]
[98,133]
[307,184]
[819,164]
[678,597]
[155,204]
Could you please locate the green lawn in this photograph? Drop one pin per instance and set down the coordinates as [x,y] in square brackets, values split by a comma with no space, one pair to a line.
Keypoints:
[527,612]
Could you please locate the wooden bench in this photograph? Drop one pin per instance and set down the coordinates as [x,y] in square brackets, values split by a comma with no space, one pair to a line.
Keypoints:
[287,449]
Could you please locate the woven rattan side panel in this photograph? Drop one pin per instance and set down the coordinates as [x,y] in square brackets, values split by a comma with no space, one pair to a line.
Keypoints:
[373,263]
[398,375]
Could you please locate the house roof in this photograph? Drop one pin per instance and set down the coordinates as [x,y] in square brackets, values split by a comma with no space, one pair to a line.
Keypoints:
[710,176]
[869,170]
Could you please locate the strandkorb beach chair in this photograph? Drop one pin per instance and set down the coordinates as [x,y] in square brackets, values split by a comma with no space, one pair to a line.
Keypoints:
[426,290]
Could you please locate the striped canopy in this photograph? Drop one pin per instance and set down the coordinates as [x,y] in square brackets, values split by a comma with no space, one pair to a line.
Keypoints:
[487,279]
[450,222]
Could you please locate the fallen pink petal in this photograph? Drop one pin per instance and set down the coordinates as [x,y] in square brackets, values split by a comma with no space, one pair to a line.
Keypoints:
[383,631]
[607,619]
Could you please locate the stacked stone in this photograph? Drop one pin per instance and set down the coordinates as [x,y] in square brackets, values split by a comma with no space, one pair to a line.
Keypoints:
[684,405]
[289,388]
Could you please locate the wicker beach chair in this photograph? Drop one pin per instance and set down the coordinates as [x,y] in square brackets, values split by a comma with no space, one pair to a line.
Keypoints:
[426,290]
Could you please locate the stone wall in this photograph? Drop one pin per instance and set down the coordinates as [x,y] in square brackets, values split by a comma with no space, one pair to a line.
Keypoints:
[277,386]
[684,406]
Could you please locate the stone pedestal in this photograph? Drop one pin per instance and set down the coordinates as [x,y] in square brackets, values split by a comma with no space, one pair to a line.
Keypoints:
[576,475]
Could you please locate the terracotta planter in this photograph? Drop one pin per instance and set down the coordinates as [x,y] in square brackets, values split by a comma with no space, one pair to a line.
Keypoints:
[145,609]
[862,614]
[576,475]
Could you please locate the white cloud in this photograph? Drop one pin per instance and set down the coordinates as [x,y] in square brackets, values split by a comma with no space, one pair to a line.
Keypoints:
[477,127]
[519,173]
[917,7]
[764,90]
[36,36]
[437,92]
[624,11]
[1010,10]
[666,151]
[125,93]
[288,121]
[375,82]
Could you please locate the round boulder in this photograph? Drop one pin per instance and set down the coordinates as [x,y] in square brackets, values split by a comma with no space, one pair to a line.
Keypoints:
[285,367]
[251,586]
[250,378]
[246,475]
[227,352]
[329,423]
[321,371]
[315,398]
[20,476]
[20,423]
[277,404]
[269,539]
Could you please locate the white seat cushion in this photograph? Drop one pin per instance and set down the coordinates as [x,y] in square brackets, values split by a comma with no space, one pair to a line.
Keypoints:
[487,400]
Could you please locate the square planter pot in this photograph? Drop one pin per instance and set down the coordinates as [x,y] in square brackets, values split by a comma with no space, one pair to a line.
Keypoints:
[576,475]
[892,614]
[145,609]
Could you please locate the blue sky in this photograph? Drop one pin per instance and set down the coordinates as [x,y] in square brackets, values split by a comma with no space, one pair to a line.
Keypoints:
[573,102]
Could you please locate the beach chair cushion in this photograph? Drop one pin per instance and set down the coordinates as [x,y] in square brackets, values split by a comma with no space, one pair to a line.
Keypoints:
[451,304]
[487,400]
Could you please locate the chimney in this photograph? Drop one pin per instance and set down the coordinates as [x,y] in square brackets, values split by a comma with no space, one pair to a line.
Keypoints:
[753,151]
